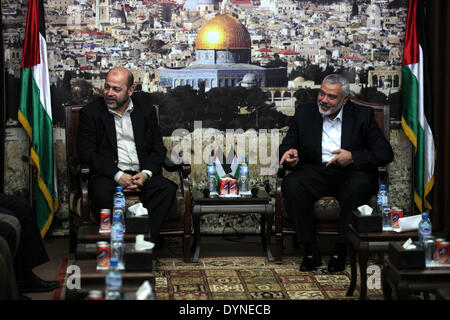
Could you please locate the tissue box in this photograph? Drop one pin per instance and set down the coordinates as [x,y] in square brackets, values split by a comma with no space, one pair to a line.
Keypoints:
[372,223]
[139,224]
[138,260]
[406,259]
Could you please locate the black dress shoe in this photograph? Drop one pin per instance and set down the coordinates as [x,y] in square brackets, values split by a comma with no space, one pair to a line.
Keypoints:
[337,263]
[310,263]
[36,284]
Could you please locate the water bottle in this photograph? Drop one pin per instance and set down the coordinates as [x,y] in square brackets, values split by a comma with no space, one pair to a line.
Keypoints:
[380,194]
[211,177]
[425,229]
[113,281]
[119,204]
[117,246]
[243,177]
[386,210]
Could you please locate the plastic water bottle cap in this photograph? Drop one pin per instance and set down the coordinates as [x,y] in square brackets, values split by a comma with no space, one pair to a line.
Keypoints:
[425,215]
[119,188]
[211,158]
[382,186]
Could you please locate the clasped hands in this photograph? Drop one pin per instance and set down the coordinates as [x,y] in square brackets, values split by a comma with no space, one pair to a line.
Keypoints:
[133,183]
[343,157]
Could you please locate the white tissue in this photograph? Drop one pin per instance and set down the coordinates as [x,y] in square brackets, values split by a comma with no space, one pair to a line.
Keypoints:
[141,244]
[408,223]
[144,292]
[365,210]
[138,209]
[408,245]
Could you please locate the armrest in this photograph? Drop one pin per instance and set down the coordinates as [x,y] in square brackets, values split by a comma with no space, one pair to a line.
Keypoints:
[85,205]
[184,170]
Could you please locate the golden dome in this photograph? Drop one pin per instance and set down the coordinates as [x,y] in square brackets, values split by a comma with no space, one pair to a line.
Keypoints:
[223,32]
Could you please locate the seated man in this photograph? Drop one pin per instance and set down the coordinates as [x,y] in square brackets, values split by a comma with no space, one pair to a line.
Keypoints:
[30,251]
[120,139]
[333,147]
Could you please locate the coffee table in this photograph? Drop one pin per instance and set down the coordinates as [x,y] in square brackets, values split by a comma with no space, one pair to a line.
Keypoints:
[407,281]
[364,243]
[261,203]
[93,279]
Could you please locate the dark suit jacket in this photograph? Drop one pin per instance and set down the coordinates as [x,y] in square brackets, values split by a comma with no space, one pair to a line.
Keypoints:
[360,134]
[97,142]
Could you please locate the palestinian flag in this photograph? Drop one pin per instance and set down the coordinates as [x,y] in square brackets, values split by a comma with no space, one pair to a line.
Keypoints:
[416,105]
[229,165]
[35,115]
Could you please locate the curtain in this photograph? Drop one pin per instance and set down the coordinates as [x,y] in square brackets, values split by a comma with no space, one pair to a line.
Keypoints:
[438,36]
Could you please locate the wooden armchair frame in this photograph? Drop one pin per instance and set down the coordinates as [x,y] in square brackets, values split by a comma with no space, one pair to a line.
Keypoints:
[78,175]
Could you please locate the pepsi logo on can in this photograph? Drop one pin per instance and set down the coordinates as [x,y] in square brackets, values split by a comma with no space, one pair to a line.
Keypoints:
[105,220]
[224,185]
[103,254]
[397,213]
[443,252]
[234,187]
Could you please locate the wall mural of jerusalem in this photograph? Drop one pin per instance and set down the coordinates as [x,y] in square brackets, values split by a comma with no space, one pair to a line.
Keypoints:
[212,67]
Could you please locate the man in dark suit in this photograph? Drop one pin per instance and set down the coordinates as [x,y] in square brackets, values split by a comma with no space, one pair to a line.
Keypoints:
[333,147]
[120,139]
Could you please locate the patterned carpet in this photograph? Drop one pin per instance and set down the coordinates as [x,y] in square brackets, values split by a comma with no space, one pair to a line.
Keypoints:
[251,278]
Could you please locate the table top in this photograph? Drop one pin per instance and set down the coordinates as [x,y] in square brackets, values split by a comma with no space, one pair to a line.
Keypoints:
[385,235]
[261,198]
[89,271]
[435,273]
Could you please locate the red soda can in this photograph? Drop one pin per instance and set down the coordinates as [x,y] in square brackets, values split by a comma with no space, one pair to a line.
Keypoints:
[224,186]
[397,213]
[95,295]
[443,252]
[105,220]
[102,255]
[234,186]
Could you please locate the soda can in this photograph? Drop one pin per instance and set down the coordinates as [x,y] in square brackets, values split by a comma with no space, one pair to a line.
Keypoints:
[105,220]
[224,186]
[438,242]
[234,187]
[443,252]
[95,295]
[430,249]
[397,213]
[103,254]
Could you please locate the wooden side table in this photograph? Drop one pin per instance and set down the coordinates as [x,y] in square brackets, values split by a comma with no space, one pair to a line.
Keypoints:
[362,244]
[93,279]
[239,205]
[407,281]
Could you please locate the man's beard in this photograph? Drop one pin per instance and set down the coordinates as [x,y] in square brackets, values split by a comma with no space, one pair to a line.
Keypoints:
[331,110]
[116,103]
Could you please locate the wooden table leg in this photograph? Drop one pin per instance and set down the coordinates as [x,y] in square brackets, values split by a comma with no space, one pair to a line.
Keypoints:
[387,290]
[196,215]
[269,214]
[352,254]
[363,258]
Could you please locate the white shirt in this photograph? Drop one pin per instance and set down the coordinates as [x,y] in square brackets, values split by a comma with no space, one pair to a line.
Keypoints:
[126,148]
[331,136]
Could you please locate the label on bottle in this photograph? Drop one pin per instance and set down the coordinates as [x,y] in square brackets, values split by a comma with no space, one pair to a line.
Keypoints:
[116,234]
[244,170]
[119,202]
[114,281]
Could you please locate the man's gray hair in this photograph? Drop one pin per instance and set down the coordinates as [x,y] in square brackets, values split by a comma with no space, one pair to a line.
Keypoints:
[339,79]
